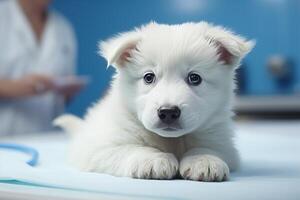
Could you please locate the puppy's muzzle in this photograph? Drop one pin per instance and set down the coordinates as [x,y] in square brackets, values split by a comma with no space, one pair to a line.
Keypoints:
[168,114]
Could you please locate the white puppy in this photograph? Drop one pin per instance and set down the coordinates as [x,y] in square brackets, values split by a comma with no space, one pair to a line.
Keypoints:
[168,111]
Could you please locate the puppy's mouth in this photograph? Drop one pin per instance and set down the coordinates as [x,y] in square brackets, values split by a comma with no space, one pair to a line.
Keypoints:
[170,128]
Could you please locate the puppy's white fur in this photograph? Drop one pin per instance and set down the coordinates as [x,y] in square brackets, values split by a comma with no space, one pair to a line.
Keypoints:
[121,135]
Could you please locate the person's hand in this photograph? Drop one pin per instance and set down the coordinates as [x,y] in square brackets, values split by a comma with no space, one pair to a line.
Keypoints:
[70,89]
[34,84]
[69,86]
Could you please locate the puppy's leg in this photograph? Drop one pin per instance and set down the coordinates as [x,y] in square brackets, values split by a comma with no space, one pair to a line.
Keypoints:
[204,164]
[134,161]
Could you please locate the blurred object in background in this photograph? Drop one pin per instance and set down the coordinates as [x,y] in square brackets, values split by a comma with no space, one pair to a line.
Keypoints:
[284,104]
[272,70]
[283,72]
[279,67]
[37,46]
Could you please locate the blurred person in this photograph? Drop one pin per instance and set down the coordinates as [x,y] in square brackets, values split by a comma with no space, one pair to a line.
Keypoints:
[38,46]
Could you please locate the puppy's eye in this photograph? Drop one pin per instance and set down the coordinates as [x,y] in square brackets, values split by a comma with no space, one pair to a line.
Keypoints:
[149,77]
[194,79]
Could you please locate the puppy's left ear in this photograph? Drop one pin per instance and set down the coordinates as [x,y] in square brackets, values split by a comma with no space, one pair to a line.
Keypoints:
[118,50]
[231,48]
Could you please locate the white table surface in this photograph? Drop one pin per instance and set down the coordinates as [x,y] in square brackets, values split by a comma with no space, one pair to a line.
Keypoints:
[270,170]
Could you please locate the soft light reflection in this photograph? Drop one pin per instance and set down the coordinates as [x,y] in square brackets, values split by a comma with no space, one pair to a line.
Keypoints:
[190,6]
[275,2]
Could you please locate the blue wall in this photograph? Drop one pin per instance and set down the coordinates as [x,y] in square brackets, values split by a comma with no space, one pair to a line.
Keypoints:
[275,24]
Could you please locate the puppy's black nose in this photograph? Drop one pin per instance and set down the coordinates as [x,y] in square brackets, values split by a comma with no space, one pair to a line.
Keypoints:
[168,114]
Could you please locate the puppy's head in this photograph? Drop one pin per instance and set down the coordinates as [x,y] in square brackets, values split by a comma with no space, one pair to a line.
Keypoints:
[176,78]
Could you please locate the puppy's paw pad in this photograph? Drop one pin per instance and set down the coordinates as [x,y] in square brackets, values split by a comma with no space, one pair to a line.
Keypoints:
[160,166]
[204,168]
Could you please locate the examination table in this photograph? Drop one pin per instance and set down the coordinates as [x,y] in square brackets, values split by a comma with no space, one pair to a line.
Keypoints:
[270,152]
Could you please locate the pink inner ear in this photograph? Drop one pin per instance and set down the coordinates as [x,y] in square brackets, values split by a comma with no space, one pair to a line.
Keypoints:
[224,54]
[126,54]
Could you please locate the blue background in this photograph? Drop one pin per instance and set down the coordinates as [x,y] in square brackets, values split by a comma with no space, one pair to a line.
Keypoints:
[274,24]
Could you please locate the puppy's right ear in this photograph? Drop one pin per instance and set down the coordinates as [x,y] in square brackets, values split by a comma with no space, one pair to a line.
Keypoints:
[118,50]
[231,48]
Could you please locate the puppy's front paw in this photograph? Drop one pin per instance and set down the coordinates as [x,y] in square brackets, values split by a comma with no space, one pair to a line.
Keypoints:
[155,166]
[204,168]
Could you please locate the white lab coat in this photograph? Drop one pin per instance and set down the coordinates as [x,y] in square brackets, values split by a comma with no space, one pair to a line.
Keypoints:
[22,54]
